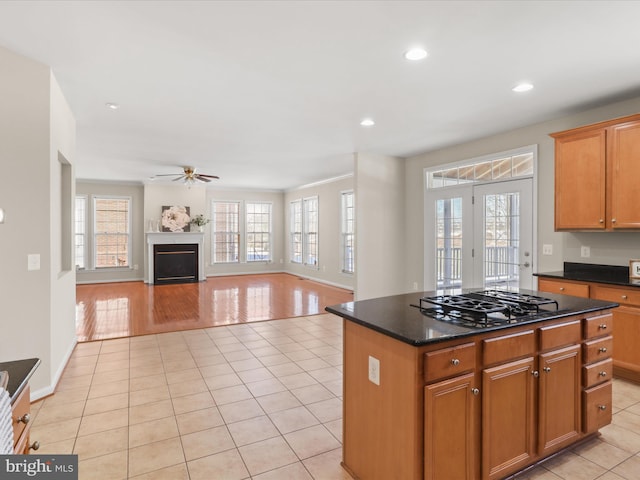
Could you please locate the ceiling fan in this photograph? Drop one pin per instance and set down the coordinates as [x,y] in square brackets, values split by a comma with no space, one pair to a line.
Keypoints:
[190,176]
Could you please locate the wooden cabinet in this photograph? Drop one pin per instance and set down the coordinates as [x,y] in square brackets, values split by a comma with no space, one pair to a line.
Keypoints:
[508,421]
[21,412]
[595,171]
[450,442]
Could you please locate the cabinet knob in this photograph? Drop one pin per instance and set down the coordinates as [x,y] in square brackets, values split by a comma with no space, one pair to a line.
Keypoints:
[602,349]
[624,297]
[602,326]
[562,289]
[35,445]
[535,373]
[603,374]
[547,369]
[475,391]
[601,220]
[455,361]
[602,407]
[26,418]
[613,220]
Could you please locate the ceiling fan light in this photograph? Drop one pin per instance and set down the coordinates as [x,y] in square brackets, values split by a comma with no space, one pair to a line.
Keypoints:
[522,87]
[415,54]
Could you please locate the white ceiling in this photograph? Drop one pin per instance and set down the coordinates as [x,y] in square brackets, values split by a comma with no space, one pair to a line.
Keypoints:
[270,94]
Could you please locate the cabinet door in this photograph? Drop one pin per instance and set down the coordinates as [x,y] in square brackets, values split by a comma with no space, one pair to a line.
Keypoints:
[580,181]
[626,354]
[559,399]
[508,420]
[624,151]
[450,426]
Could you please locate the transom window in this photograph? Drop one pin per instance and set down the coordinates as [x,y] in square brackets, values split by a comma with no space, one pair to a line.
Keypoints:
[483,170]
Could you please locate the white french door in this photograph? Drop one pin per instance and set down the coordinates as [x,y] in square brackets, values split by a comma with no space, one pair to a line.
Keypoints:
[479,235]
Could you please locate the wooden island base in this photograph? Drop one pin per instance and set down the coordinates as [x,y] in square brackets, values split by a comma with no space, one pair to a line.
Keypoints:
[485,406]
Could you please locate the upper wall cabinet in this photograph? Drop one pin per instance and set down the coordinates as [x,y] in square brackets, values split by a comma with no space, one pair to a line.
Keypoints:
[597,176]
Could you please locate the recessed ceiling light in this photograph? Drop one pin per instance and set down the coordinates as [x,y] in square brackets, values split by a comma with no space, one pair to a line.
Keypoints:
[112,106]
[367,122]
[417,53]
[522,87]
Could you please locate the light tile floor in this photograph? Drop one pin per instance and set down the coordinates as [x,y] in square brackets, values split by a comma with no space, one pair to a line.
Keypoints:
[258,400]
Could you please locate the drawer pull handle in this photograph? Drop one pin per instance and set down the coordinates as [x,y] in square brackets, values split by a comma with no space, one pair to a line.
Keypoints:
[547,369]
[26,418]
[535,373]
[35,445]
[603,374]
[602,349]
[602,407]
[475,391]
[455,362]
[602,326]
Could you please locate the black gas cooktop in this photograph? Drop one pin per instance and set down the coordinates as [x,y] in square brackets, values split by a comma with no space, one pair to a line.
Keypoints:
[487,308]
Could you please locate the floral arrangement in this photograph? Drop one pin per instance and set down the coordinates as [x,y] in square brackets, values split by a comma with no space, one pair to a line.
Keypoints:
[199,220]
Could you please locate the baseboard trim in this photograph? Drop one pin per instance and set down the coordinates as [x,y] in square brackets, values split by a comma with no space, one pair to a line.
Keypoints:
[51,389]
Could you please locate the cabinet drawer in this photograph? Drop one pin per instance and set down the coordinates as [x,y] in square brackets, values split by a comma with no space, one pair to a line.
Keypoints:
[508,347]
[563,287]
[597,407]
[599,349]
[630,296]
[597,373]
[555,336]
[598,326]
[449,362]
[20,407]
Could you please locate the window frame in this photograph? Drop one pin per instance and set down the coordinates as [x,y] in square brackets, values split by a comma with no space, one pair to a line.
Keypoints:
[214,232]
[269,232]
[83,234]
[306,232]
[295,220]
[96,233]
[347,235]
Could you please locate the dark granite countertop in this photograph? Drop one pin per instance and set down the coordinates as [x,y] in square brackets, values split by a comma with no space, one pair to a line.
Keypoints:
[20,372]
[587,272]
[394,316]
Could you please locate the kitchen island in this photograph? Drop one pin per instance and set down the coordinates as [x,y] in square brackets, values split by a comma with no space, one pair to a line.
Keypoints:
[434,399]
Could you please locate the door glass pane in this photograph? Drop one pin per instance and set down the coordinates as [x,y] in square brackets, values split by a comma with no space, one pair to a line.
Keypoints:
[449,242]
[501,240]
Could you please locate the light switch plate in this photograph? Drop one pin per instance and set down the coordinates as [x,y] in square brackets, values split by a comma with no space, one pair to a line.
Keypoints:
[547,249]
[33,261]
[585,251]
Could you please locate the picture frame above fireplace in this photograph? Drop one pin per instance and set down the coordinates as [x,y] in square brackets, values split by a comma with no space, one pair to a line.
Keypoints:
[175,219]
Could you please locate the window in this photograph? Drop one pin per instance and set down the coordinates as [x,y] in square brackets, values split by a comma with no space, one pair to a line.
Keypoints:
[226,232]
[348,232]
[310,231]
[80,232]
[112,224]
[258,232]
[296,231]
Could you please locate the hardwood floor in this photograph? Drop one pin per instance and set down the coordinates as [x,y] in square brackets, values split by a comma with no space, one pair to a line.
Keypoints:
[112,310]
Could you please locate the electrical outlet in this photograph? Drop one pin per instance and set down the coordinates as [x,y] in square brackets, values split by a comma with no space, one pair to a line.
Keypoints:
[547,249]
[135,267]
[415,286]
[374,370]
[585,251]
[33,261]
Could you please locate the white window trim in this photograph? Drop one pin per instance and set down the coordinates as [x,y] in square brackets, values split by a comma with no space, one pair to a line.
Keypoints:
[315,266]
[292,232]
[343,233]
[246,230]
[94,198]
[213,232]
[85,199]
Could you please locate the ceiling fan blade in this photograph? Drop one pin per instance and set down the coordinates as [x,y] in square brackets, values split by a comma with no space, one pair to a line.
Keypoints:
[208,176]
[202,178]
[167,175]
[179,178]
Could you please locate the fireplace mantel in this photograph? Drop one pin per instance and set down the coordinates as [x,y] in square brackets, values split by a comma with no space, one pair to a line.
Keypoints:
[155,238]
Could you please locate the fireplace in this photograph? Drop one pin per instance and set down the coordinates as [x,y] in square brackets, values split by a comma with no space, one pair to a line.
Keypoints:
[179,243]
[175,263]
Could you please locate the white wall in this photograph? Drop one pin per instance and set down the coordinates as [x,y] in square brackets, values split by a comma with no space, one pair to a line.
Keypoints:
[138,227]
[380,226]
[37,308]
[606,247]
[329,269]
[277,225]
